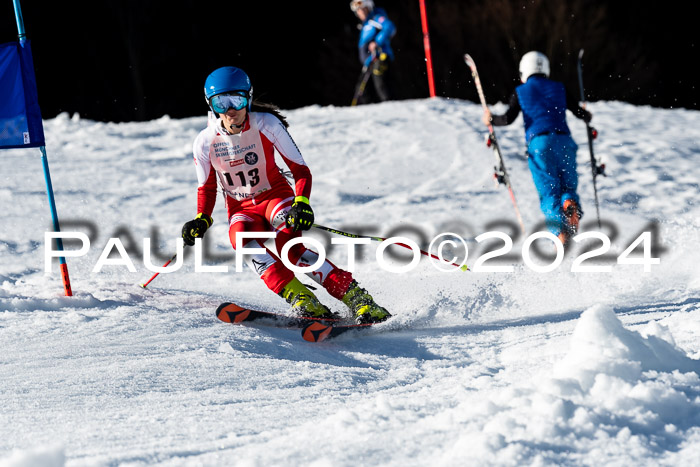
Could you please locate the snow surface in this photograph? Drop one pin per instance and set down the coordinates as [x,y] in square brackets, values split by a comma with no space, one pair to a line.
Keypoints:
[519,368]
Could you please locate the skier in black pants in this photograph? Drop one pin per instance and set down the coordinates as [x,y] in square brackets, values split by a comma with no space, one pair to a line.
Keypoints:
[375,47]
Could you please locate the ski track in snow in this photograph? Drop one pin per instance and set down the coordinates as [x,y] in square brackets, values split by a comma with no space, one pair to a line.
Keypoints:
[516,368]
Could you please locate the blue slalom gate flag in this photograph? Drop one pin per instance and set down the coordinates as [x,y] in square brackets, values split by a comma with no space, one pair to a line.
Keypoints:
[20,115]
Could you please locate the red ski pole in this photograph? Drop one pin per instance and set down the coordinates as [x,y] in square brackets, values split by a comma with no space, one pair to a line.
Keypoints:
[145,284]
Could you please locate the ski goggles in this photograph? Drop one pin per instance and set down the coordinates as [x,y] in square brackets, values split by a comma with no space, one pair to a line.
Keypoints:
[356,5]
[222,102]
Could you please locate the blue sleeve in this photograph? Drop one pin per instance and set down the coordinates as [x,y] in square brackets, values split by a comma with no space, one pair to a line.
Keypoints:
[379,28]
[387,31]
[367,35]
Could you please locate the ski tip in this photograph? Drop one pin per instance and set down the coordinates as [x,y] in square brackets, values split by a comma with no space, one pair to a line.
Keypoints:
[231,313]
[316,332]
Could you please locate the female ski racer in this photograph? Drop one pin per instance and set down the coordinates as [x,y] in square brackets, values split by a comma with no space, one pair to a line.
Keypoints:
[237,151]
[551,150]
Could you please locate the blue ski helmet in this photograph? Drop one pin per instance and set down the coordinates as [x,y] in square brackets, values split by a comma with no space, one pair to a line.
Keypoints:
[228,79]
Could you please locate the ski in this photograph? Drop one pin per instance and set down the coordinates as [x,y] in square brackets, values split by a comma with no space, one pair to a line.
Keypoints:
[231,313]
[500,172]
[320,331]
[312,329]
[590,132]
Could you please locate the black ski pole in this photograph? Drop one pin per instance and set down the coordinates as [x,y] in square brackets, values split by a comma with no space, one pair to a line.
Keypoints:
[362,82]
[381,239]
[589,133]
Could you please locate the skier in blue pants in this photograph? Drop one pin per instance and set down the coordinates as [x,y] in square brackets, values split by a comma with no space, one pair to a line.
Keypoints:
[550,147]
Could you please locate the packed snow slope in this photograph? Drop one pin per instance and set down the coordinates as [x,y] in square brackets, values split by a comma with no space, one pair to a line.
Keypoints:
[475,368]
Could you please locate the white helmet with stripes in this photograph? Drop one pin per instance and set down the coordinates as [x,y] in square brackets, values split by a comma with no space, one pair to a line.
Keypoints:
[533,63]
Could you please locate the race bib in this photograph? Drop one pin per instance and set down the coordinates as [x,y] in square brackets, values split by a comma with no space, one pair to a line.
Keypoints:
[240,163]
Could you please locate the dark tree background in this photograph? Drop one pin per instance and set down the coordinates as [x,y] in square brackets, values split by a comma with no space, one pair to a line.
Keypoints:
[126,60]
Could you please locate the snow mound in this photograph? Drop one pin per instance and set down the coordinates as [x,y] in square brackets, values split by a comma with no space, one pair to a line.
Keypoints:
[601,346]
[636,391]
[40,457]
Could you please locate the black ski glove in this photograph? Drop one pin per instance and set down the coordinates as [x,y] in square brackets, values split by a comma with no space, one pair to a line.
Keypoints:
[300,215]
[196,228]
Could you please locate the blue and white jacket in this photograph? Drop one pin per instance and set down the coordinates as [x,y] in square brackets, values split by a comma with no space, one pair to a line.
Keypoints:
[380,29]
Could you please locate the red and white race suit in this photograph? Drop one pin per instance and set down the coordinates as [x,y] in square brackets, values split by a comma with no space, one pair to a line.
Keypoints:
[257,195]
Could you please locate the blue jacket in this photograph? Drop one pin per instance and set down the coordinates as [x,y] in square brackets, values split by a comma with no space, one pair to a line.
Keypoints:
[378,28]
[544,104]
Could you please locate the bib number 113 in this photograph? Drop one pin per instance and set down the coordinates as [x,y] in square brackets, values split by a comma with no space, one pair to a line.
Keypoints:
[253,179]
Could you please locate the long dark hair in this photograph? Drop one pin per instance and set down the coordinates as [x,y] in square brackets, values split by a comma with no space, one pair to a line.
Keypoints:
[258,106]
